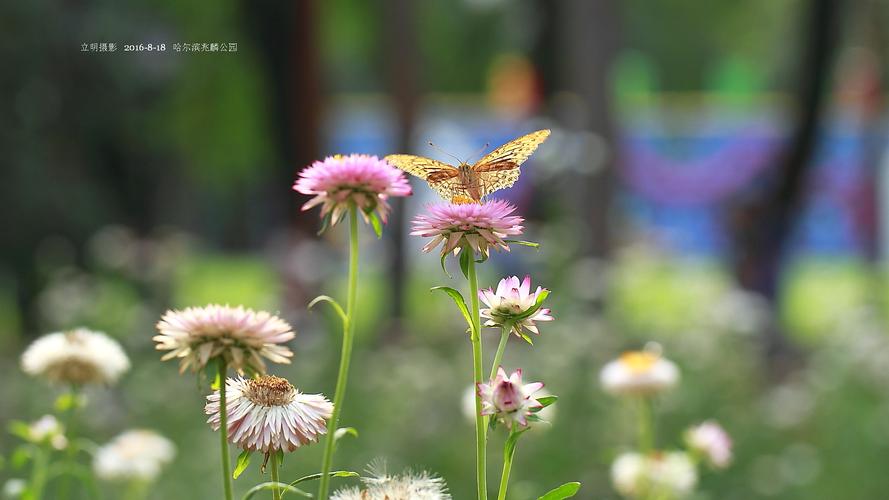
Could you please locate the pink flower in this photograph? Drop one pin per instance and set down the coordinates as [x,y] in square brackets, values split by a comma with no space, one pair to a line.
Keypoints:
[242,336]
[338,181]
[478,225]
[514,303]
[508,399]
[712,442]
[269,414]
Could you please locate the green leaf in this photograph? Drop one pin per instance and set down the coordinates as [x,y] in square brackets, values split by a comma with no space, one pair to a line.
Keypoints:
[280,456]
[336,306]
[512,441]
[461,304]
[21,456]
[533,310]
[376,223]
[326,223]
[67,401]
[483,259]
[444,268]
[243,462]
[20,429]
[212,372]
[567,490]
[531,244]
[336,473]
[465,257]
[526,338]
[271,485]
[546,401]
[343,431]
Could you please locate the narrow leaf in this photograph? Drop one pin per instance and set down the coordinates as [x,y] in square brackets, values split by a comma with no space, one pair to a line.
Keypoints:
[567,490]
[465,257]
[284,487]
[336,473]
[531,244]
[333,303]
[243,462]
[376,223]
[458,299]
[343,431]
[325,223]
[444,267]
[547,400]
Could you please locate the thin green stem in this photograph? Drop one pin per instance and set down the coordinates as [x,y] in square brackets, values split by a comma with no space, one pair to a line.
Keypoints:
[137,490]
[223,431]
[39,472]
[646,424]
[276,492]
[508,454]
[504,337]
[342,377]
[480,421]
[68,423]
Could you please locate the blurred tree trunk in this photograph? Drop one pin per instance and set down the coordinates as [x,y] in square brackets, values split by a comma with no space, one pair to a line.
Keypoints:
[401,60]
[761,226]
[579,43]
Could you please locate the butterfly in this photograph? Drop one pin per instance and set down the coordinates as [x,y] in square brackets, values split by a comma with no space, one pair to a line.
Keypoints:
[467,183]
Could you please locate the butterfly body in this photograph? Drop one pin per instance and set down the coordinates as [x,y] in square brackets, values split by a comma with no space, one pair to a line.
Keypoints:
[467,183]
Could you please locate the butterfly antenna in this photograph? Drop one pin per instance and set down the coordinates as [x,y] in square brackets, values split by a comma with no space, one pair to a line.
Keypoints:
[459,161]
[480,151]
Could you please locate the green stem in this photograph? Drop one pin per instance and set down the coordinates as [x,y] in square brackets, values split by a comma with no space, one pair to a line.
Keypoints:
[276,492]
[71,451]
[348,334]
[504,337]
[480,421]
[39,472]
[646,424]
[137,490]
[508,454]
[223,431]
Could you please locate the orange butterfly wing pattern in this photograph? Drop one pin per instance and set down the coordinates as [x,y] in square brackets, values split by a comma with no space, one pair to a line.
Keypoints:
[499,169]
[443,178]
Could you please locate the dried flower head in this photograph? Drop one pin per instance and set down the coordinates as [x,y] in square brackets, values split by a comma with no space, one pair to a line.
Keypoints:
[711,441]
[639,373]
[78,357]
[508,399]
[514,304]
[133,455]
[269,414]
[480,226]
[664,475]
[408,486]
[338,181]
[242,336]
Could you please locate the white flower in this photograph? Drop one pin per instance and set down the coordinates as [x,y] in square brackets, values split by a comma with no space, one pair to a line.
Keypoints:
[242,336]
[408,486]
[508,399]
[639,373]
[662,475]
[79,356]
[712,442]
[512,300]
[46,429]
[269,414]
[547,415]
[13,488]
[133,455]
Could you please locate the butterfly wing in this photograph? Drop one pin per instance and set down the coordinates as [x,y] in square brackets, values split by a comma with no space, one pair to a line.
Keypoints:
[440,176]
[499,169]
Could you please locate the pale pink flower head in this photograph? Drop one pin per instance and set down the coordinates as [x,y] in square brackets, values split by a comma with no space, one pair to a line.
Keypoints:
[268,414]
[243,337]
[338,181]
[711,441]
[479,225]
[513,303]
[508,399]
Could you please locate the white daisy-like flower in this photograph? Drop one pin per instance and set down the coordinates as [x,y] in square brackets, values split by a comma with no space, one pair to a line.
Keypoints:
[269,414]
[47,429]
[663,475]
[242,336]
[546,415]
[78,357]
[711,441]
[133,455]
[639,373]
[513,303]
[408,486]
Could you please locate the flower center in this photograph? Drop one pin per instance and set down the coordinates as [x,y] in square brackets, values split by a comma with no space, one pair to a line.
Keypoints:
[269,390]
[639,361]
